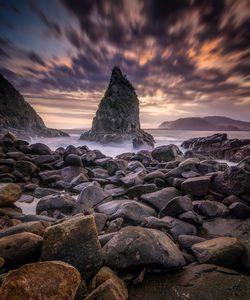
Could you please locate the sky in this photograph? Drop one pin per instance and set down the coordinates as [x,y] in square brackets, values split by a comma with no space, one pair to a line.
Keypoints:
[185,58]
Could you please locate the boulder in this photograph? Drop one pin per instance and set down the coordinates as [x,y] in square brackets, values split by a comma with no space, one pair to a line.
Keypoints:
[176,206]
[79,179]
[220,227]
[90,197]
[187,241]
[25,167]
[114,165]
[160,198]
[73,160]
[210,209]
[167,153]
[43,280]
[70,172]
[100,220]
[35,227]
[40,149]
[61,202]
[111,289]
[140,189]
[98,173]
[135,247]
[20,248]
[74,241]
[222,251]
[43,159]
[197,186]
[233,181]
[194,282]
[178,227]
[42,192]
[239,210]
[9,193]
[134,178]
[132,212]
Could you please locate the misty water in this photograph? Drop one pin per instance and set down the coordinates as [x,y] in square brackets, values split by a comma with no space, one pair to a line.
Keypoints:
[162,137]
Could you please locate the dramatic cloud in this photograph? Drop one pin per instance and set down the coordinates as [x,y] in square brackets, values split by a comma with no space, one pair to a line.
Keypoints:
[184,57]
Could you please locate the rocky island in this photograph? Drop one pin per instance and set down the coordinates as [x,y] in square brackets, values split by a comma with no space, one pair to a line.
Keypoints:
[117,117]
[18,116]
[151,225]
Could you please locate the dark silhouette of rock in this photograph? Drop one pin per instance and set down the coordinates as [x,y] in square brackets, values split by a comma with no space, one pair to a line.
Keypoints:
[213,123]
[18,116]
[219,146]
[117,117]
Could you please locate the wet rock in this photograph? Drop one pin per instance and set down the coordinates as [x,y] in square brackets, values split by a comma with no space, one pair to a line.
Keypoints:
[90,197]
[156,223]
[115,225]
[203,281]
[176,206]
[74,241]
[79,179]
[155,174]
[167,153]
[160,198]
[88,158]
[104,238]
[136,246]
[117,192]
[210,209]
[26,199]
[20,248]
[107,286]
[115,165]
[61,202]
[239,210]
[78,188]
[197,186]
[73,160]
[9,193]
[43,159]
[138,190]
[70,172]
[233,181]
[35,227]
[223,251]
[220,227]
[100,221]
[42,192]
[132,212]
[98,173]
[187,241]
[191,217]
[178,227]
[135,178]
[42,280]
[40,149]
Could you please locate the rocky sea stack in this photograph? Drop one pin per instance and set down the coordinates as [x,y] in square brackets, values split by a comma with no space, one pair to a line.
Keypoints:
[117,118]
[18,116]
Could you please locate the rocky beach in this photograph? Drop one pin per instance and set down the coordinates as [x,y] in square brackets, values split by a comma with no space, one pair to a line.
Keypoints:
[153,224]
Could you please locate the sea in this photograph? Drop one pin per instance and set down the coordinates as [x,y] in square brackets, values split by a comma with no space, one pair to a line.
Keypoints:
[161,136]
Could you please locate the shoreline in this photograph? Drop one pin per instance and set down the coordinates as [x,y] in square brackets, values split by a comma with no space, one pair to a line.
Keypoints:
[150,216]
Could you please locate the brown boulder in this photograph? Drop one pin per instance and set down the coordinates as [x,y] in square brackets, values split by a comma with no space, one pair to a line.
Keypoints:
[9,193]
[20,248]
[54,280]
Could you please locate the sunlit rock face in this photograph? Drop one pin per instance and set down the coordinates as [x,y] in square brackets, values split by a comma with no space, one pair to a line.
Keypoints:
[117,118]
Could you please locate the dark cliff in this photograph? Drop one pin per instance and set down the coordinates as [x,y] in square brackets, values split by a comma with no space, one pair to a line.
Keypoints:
[18,116]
